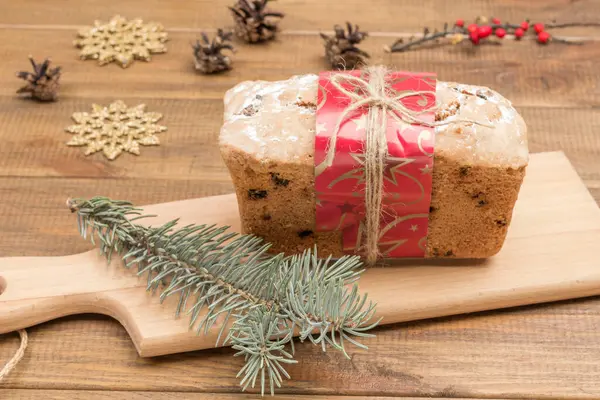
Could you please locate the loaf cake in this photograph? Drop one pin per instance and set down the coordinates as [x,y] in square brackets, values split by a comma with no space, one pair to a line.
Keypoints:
[267,143]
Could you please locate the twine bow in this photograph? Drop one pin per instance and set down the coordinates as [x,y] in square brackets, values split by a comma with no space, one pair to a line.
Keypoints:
[382,102]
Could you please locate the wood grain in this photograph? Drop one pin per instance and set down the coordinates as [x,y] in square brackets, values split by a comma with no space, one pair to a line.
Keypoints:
[302,15]
[544,351]
[115,395]
[525,72]
[34,147]
[537,352]
[530,269]
[409,376]
[47,228]
[557,98]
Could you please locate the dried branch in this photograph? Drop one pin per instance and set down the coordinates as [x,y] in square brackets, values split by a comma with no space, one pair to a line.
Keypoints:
[481,30]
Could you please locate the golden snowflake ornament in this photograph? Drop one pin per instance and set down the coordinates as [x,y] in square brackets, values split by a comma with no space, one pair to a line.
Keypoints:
[115,129]
[121,41]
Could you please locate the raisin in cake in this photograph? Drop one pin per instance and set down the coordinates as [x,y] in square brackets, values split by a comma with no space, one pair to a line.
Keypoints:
[267,142]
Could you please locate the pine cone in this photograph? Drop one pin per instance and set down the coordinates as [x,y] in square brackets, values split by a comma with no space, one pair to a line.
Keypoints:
[207,54]
[254,23]
[340,49]
[42,83]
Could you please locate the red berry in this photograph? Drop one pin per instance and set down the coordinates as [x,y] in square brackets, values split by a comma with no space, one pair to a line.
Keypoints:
[474,36]
[484,31]
[472,28]
[538,27]
[543,37]
[519,33]
[496,21]
[460,22]
[500,32]
[524,25]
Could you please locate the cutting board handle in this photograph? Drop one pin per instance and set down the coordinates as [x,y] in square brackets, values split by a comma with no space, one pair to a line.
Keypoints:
[2,285]
[39,289]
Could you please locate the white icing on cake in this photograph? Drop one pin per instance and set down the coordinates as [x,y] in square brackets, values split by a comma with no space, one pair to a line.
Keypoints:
[271,121]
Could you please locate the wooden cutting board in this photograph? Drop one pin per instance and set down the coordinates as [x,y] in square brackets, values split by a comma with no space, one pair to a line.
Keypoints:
[551,253]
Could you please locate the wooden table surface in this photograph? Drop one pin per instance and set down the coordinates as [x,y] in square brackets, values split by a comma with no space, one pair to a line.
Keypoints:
[546,351]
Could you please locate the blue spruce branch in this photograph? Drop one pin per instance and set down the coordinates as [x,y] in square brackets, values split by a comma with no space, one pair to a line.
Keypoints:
[222,275]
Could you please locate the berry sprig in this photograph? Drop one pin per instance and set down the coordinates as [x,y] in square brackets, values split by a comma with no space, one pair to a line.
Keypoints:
[481,30]
[484,29]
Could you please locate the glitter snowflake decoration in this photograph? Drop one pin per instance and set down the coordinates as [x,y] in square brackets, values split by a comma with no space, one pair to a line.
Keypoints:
[121,41]
[115,129]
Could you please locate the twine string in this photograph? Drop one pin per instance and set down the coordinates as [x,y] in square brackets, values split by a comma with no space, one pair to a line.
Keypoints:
[375,156]
[376,96]
[382,103]
[12,363]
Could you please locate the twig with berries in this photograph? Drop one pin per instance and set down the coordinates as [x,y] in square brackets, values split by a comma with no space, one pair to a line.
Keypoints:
[484,28]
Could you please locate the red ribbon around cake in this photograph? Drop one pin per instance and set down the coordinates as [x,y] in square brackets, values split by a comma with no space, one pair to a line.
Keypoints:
[375,126]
